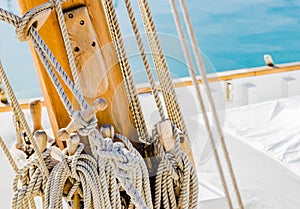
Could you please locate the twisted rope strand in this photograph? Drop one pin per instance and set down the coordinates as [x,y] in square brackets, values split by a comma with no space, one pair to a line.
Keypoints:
[65,35]
[210,98]
[190,65]
[145,59]
[126,71]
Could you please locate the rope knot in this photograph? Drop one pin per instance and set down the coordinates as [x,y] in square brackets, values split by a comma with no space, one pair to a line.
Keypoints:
[84,127]
[35,17]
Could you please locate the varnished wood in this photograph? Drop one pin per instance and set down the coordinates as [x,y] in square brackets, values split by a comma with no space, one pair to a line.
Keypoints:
[107,131]
[118,111]
[72,143]
[236,74]
[88,56]
[40,138]
[165,131]
[35,107]
[99,105]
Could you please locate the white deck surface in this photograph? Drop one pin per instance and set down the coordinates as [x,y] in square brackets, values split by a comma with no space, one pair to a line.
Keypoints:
[263,141]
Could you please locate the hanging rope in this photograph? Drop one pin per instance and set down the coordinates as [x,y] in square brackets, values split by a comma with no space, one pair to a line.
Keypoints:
[201,67]
[145,59]
[83,169]
[190,65]
[17,111]
[117,165]
[116,162]
[126,71]
[162,70]
[32,181]
[8,155]
[176,184]
[65,35]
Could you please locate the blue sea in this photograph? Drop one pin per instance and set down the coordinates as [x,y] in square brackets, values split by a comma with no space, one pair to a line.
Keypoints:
[231,34]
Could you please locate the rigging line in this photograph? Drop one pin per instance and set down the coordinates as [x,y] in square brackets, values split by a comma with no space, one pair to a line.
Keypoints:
[145,59]
[190,66]
[211,102]
[15,20]
[132,95]
[17,111]
[52,76]
[66,39]
[8,155]
[162,70]
[57,67]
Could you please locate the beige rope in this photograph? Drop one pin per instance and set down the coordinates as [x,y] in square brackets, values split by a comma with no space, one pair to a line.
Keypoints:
[17,111]
[145,59]
[162,70]
[8,155]
[126,71]
[65,35]
[32,182]
[185,180]
[190,65]
[211,102]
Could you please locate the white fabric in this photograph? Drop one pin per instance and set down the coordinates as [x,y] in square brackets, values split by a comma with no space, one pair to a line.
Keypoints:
[263,141]
[273,127]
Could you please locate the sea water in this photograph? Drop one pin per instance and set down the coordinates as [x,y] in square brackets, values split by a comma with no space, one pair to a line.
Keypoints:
[231,34]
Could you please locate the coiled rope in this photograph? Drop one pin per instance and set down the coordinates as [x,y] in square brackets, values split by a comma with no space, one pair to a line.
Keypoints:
[176,184]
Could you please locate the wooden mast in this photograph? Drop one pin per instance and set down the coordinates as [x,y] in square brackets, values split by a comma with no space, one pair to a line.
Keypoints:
[94,33]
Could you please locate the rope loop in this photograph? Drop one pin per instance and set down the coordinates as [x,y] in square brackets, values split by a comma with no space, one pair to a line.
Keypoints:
[31,19]
[121,158]
[176,181]
[32,180]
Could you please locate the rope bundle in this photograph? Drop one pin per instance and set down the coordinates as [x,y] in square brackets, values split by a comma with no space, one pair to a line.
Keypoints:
[121,165]
[80,169]
[32,181]
[176,184]
[116,166]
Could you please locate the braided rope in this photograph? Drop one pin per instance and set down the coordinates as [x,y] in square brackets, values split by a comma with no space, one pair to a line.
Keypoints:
[190,65]
[53,78]
[65,35]
[162,70]
[201,67]
[145,59]
[41,46]
[165,183]
[32,182]
[126,71]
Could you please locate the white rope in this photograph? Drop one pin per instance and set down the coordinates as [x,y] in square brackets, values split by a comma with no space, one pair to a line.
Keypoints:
[190,65]
[32,182]
[114,161]
[8,155]
[124,164]
[201,67]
